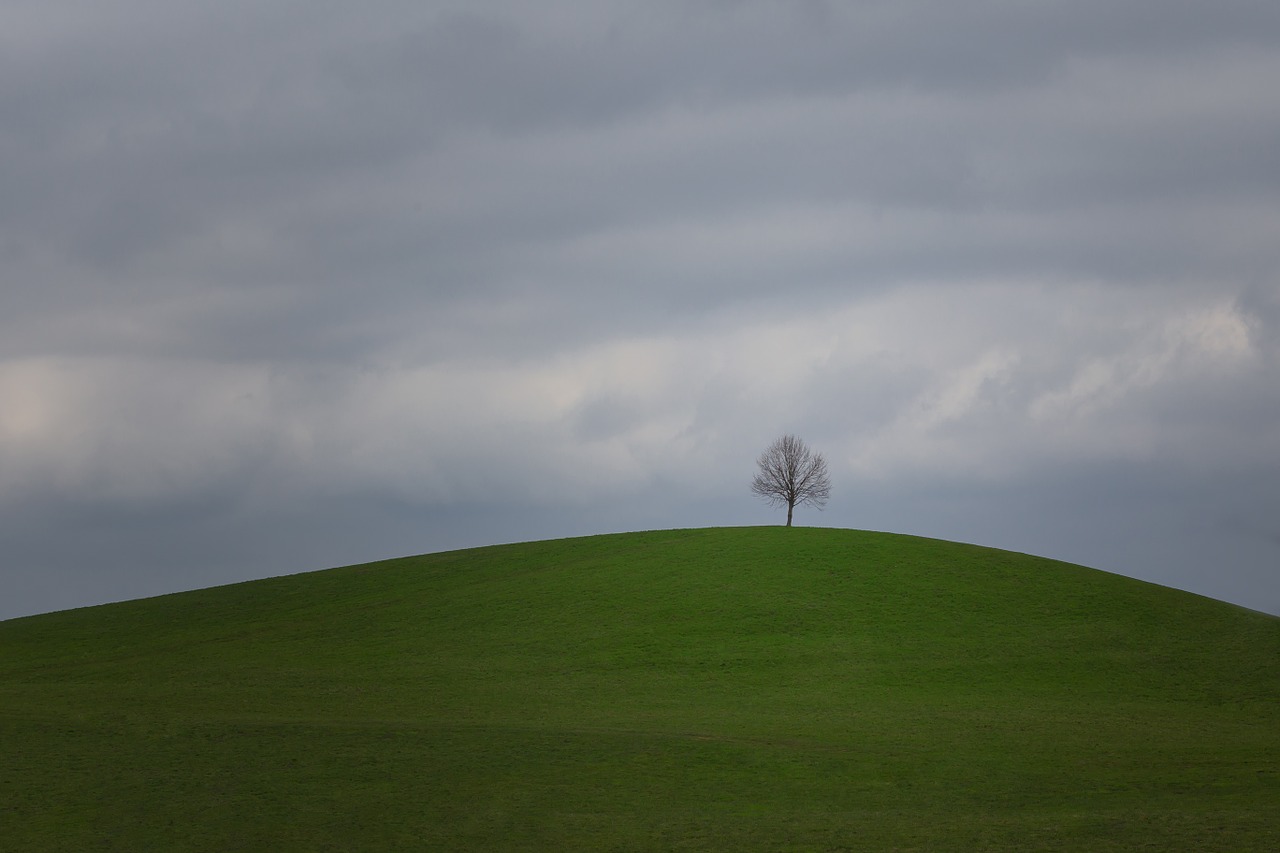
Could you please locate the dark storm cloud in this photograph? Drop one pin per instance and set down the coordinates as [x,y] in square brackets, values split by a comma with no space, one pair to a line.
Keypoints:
[289,284]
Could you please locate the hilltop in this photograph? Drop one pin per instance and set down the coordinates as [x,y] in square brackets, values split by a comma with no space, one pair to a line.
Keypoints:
[739,688]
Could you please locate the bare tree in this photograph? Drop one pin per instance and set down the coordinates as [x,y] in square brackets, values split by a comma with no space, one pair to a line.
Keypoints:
[791,475]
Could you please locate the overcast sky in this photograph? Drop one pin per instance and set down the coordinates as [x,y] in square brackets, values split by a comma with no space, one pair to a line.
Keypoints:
[286,285]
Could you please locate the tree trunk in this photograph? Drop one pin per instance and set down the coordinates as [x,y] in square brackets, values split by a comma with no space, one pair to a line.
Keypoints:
[790,507]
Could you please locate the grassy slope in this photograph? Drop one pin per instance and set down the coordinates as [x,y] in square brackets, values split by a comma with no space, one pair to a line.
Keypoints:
[727,688]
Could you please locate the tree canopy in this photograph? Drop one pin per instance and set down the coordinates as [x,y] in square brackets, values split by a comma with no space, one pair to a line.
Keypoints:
[792,475]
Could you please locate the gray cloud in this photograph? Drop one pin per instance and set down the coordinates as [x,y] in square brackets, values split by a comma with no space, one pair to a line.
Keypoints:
[289,285]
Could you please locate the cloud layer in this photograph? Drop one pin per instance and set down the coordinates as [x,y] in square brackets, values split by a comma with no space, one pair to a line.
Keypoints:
[288,285]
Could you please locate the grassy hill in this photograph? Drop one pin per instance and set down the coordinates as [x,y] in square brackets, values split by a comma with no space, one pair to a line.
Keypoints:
[750,688]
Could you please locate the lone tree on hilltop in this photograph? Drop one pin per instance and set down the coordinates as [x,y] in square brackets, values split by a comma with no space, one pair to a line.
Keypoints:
[791,474]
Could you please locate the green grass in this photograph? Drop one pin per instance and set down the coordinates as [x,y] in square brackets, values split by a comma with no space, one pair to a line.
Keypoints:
[750,688]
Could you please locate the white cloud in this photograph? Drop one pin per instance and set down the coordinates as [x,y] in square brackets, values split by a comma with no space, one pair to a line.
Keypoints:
[99,431]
